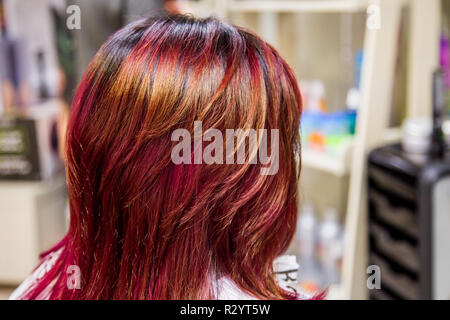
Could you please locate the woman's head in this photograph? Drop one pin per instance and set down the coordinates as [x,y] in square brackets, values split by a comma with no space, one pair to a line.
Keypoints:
[144,227]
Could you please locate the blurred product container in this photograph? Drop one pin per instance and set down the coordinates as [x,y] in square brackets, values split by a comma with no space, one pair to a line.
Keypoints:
[306,237]
[330,247]
[417,135]
[320,248]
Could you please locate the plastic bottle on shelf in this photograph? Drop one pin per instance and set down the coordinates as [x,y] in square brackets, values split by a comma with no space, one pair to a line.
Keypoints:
[306,227]
[330,247]
[353,99]
[316,97]
[309,275]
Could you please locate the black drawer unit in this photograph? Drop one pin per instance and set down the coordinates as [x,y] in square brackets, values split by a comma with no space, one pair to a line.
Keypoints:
[409,224]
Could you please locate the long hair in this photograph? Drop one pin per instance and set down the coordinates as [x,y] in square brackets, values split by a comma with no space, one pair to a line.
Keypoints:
[143,227]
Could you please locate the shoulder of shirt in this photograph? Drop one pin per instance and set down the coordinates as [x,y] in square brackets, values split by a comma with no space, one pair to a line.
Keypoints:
[35,276]
[225,288]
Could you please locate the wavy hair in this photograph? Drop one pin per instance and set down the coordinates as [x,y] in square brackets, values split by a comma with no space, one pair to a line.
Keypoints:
[142,227]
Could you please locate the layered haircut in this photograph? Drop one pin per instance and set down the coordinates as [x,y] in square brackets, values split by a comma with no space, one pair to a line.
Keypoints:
[142,227]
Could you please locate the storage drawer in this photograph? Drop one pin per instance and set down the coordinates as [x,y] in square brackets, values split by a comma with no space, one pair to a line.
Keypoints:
[385,181]
[397,282]
[398,216]
[376,294]
[399,250]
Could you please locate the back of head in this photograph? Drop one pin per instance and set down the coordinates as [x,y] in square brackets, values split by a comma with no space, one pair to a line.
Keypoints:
[143,226]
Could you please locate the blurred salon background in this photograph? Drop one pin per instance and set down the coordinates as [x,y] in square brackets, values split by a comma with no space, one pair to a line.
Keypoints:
[374,211]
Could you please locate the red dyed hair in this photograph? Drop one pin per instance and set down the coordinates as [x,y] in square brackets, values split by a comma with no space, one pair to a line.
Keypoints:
[142,227]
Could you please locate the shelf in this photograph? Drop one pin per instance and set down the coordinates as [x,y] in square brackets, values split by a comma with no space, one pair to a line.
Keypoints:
[298,6]
[32,219]
[323,162]
[340,165]
[337,165]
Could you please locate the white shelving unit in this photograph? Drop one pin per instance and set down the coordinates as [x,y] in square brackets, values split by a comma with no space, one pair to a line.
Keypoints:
[33,218]
[338,165]
[380,51]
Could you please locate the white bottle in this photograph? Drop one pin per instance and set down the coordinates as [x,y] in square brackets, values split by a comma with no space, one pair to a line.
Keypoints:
[330,238]
[309,273]
[316,96]
[306,232]
[353,99]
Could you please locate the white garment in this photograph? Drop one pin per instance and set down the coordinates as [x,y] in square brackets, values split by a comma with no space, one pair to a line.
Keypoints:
[226,289]
[37,274]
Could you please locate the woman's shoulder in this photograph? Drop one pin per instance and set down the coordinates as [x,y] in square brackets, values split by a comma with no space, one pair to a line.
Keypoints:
[285,269]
